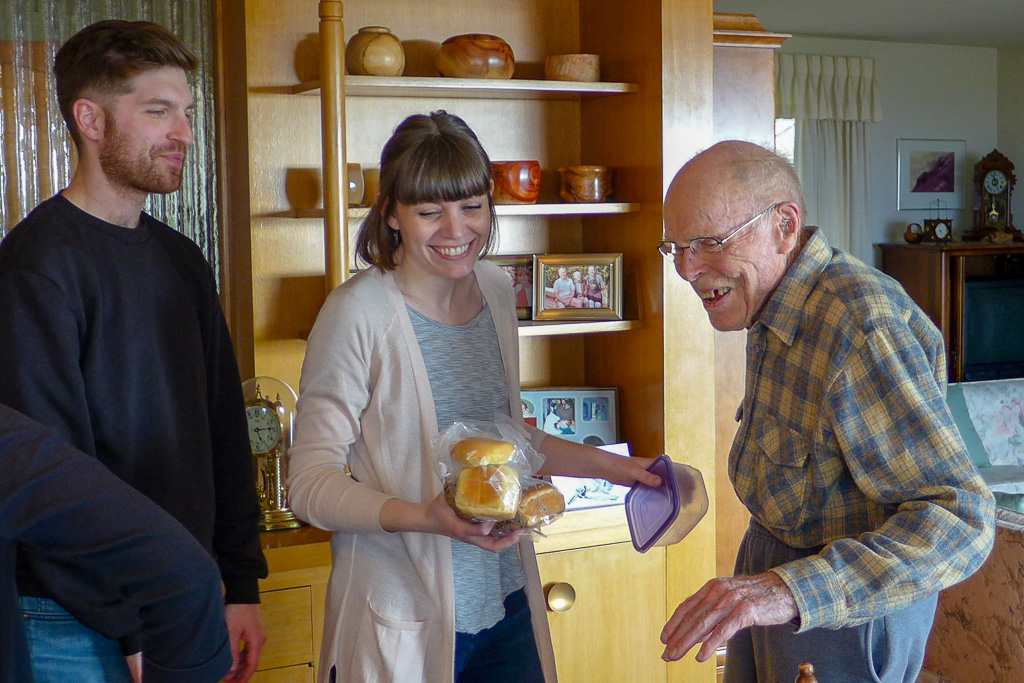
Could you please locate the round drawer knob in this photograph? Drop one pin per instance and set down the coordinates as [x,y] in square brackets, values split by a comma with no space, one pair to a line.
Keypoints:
[561,596]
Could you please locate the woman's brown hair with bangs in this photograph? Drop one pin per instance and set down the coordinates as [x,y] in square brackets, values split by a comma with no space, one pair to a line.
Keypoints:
[429,158]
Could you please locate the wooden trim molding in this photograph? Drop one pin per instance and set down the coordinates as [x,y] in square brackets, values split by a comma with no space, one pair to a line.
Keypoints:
[233,178]
[744,30]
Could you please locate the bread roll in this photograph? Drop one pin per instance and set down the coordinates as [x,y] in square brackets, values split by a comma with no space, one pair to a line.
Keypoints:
[539,504]
[480,451]
[490,492]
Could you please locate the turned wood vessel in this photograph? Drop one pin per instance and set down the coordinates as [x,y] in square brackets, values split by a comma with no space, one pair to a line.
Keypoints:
[475,55]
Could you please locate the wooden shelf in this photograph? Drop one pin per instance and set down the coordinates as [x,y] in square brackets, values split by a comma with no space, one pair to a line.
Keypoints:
[469,88]
[534,328]
[567,209]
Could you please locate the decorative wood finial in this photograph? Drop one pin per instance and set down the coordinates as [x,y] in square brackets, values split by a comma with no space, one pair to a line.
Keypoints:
[806,674]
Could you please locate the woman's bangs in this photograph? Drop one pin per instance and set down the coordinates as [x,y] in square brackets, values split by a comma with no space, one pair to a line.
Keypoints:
[442,173]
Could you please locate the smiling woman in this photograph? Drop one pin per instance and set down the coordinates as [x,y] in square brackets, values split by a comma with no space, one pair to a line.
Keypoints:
[37,158]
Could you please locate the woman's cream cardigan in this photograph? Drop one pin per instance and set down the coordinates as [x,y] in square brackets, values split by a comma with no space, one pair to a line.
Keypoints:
[365,402]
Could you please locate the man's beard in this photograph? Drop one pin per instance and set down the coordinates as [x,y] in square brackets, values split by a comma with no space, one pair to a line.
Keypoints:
[138,172]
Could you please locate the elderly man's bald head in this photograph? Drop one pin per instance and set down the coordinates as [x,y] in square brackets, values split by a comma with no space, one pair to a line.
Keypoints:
[736,174]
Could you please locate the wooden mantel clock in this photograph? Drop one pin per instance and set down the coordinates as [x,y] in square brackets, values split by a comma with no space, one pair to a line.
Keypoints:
[993,184]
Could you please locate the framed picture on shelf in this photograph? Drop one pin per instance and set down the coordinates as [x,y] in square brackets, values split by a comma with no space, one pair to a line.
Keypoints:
[583,414]
[520,273]
[930,174]
[577,287]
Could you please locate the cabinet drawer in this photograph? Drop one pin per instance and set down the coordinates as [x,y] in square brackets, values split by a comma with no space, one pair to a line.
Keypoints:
[303,673]
[288,621]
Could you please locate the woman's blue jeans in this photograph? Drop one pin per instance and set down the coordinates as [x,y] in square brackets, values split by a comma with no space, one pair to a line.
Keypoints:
[504,653]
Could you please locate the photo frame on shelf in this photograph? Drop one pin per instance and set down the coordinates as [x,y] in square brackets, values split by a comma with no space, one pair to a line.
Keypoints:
[587,415]
[930,174]
[577,287]
[520,273]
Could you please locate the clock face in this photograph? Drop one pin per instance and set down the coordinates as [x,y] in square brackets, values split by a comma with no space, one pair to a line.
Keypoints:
[264,428]
[995,182]
[941,230]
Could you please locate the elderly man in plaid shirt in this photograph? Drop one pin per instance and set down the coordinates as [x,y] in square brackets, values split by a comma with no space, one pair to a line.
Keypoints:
[863,500]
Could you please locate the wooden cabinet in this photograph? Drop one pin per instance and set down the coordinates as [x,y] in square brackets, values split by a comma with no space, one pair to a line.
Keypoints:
[611,631]
[935,276]
[651,113]
[292,598]
[290,674]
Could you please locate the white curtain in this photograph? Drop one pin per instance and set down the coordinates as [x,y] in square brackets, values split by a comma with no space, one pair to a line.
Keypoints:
[832,99]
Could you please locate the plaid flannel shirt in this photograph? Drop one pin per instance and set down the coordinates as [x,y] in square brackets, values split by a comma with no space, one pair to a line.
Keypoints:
[846,443]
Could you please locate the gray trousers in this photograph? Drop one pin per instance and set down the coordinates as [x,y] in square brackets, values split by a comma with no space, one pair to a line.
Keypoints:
[889,649]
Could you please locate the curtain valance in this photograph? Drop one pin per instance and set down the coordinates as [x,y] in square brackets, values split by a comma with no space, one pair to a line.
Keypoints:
[826,87]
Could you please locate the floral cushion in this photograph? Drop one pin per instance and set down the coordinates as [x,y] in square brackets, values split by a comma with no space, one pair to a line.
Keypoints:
[997,410]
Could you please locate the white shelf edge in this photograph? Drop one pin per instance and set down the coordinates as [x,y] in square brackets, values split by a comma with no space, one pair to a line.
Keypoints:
[567,209]
[486,88]
[535,328]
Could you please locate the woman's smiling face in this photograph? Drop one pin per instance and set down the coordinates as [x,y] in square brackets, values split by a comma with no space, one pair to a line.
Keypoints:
[441,238]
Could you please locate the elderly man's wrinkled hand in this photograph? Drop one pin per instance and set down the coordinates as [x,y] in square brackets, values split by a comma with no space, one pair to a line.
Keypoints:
[721,608]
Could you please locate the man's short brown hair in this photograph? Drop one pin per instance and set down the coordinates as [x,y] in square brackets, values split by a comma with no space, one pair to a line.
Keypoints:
[101,60]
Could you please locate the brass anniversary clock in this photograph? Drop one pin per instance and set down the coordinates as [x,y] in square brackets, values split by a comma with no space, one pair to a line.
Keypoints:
[993,184]
[270,413]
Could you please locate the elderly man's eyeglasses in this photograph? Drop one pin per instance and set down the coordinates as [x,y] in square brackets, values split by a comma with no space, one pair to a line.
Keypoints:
[707,248]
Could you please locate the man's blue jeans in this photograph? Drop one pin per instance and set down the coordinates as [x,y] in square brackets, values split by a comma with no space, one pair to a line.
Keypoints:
[63,649]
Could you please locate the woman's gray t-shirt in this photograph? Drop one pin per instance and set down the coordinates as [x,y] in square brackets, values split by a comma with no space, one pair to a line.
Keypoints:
[467,381]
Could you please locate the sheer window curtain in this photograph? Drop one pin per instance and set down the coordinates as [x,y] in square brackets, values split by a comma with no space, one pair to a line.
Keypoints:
[832,100]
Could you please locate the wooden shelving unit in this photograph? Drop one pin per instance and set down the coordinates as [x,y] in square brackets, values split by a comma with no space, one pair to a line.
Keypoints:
[651,114]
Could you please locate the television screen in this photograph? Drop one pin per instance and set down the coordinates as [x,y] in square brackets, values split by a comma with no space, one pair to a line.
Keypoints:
[993,329]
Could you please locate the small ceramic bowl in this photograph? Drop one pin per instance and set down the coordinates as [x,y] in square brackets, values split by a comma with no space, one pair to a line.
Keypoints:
[516,182]
[573,67]
[475,55]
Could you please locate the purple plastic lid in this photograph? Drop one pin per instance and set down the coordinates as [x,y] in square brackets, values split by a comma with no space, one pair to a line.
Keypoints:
[650,510]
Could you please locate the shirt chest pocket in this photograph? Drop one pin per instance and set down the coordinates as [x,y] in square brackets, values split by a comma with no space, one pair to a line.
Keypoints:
[779,476]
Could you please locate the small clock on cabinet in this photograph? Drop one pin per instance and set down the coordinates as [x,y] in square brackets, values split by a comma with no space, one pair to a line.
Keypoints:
[270,413]
[993,185]
[938,230]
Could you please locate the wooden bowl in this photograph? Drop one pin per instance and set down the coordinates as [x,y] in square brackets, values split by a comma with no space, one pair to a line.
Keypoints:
[574,67]
[585,183]
[516,182]
[475,55]
[374,51]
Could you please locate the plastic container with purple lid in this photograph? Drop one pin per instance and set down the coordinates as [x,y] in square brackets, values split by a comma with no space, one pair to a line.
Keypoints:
[663,515]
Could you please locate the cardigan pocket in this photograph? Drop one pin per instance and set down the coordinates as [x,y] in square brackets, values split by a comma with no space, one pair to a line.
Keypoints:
[390,649]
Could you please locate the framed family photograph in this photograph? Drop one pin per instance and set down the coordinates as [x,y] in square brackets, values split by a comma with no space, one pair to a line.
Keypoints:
[520,274]
[930,174]
[577,287]
[583,414]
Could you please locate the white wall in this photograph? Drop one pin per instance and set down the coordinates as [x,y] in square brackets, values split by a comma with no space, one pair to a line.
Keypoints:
[927,92]
[1010,118]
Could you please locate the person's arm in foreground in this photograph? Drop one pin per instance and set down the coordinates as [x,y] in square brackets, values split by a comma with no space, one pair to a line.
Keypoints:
[236,532]
[115,560]
[571,459]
